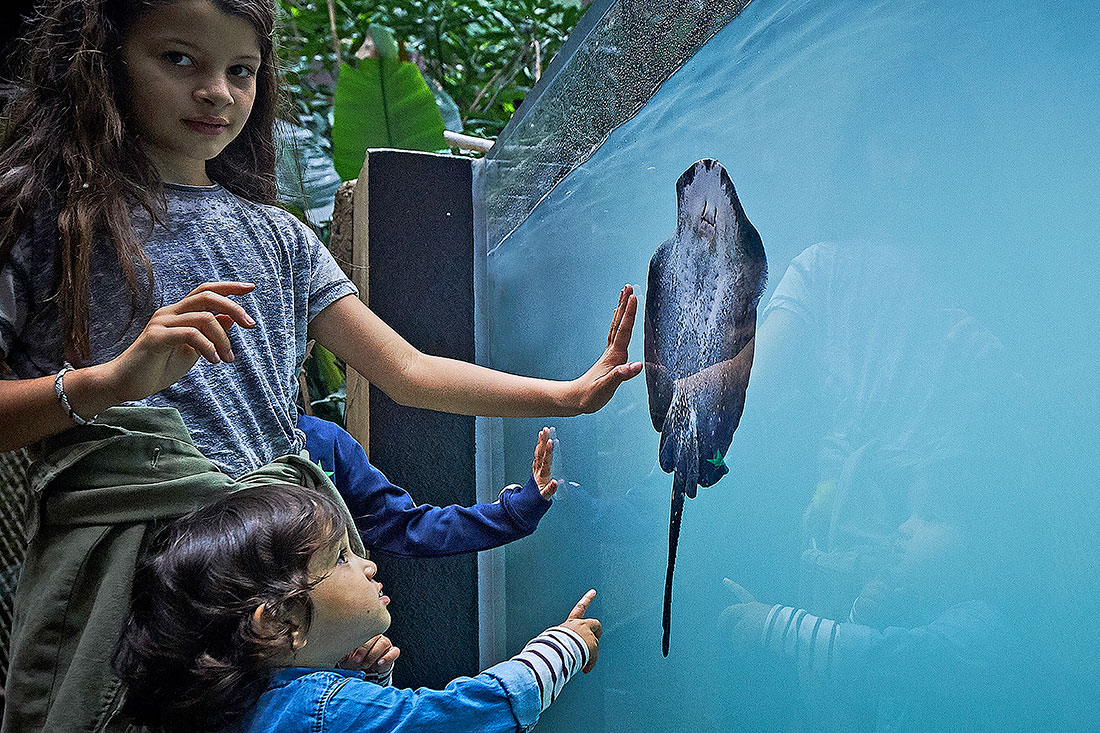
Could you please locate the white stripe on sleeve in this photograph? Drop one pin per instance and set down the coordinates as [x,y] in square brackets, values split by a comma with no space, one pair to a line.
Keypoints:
[553,657]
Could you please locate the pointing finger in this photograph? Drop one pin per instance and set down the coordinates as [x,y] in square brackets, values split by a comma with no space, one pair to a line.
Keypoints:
[582,605]
[742,595]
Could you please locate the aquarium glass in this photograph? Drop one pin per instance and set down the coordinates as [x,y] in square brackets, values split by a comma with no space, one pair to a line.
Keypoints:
[915,468]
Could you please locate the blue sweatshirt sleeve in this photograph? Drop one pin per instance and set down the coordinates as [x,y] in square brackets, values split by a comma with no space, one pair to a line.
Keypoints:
[390,521]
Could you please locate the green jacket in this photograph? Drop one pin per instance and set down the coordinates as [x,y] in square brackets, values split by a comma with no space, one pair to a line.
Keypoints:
[95,493]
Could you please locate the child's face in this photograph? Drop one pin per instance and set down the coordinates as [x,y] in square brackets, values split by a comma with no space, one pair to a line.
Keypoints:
[191,82]
[929,553]
[348,607]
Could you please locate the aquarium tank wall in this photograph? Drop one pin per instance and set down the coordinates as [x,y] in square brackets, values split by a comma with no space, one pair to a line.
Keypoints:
[905,538]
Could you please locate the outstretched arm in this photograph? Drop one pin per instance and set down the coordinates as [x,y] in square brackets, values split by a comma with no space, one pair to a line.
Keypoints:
[507,697]
[390,521]
[846,663]
[353,332]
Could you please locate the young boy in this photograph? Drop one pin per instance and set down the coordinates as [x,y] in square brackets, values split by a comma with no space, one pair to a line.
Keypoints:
[244,607]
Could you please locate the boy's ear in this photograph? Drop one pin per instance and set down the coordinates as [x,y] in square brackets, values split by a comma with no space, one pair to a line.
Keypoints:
[264,616]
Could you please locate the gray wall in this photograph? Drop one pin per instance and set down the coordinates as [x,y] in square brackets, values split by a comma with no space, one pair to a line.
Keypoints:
[421,284]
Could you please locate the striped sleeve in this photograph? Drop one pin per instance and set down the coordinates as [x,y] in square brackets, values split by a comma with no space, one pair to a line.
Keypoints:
[808,641]
[553,657]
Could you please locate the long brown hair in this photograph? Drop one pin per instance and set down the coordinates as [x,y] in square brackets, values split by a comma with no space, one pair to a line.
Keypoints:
[70,154]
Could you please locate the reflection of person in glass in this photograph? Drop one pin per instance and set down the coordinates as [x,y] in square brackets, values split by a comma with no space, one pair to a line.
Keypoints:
[892,626]
[925,645]
[878,370]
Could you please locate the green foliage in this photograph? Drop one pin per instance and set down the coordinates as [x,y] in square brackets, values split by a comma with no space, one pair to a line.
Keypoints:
[305,174]
[452,116]
[325,382]
[484,54]
[382,102]
[307,61]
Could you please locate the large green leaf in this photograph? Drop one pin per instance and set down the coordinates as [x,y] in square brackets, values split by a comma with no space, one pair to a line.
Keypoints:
[481,51]
[328,370]
[382,103]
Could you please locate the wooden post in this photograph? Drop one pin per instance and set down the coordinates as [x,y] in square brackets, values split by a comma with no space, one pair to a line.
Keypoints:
[357,405]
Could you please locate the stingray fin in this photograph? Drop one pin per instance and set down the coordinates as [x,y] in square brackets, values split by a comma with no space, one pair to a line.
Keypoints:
[659,382]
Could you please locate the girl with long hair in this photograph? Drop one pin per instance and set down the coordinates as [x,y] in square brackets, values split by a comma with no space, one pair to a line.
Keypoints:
[144,266]
[137,177]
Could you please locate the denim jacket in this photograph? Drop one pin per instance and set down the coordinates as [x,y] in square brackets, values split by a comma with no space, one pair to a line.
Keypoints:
[503,698]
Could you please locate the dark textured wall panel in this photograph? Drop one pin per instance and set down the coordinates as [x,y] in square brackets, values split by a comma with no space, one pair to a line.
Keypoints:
[421,283]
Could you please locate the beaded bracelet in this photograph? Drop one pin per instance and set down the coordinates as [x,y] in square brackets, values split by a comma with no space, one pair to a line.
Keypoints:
[59,389]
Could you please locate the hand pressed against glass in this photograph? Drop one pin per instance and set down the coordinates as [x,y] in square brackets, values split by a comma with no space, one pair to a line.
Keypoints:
[540,466]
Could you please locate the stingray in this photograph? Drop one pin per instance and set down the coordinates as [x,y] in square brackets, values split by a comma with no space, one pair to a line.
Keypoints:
[700,324]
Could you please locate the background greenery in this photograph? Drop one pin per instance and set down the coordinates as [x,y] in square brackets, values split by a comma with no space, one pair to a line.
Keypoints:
[483,54]
[396,74]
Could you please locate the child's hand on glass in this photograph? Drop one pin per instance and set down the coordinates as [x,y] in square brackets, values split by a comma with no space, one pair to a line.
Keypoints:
[375,658]
[540,467]
[589,629]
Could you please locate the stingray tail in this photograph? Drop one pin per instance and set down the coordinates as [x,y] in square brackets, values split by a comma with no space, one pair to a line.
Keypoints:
[684,480]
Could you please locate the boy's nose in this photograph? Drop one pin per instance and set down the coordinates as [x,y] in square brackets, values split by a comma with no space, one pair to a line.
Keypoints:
[370,569]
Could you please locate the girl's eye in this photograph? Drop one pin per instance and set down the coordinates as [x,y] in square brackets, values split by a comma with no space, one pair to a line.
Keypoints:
[177,58]
[243,72]
[342,557]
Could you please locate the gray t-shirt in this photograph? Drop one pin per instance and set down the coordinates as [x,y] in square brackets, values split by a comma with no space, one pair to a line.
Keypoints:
[240,415]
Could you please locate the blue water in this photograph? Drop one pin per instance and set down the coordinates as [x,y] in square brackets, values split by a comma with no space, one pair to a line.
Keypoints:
[933,167]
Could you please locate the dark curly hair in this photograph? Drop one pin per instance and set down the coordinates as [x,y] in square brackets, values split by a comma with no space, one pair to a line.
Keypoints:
[192,655]
[70,154]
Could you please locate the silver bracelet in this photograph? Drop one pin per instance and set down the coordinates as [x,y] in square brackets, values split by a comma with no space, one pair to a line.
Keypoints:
[59,390]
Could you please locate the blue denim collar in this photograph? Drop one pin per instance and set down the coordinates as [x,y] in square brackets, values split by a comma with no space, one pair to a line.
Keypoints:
[286,675]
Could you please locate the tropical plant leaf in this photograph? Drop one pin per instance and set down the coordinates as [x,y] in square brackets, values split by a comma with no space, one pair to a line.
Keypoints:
[382,103]
[452,117]
[469,47]
[304,173]
[325,384]
[384,42]
[328,370]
